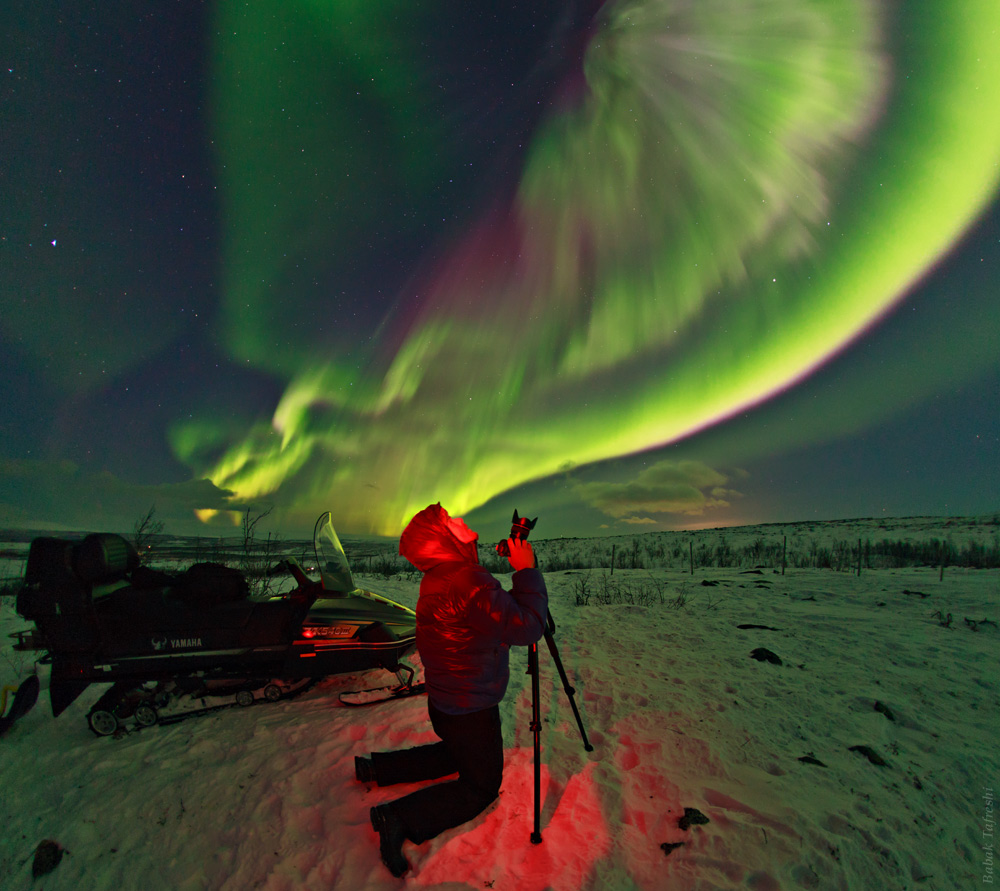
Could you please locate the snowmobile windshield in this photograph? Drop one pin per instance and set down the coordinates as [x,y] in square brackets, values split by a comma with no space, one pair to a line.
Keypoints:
[334,569]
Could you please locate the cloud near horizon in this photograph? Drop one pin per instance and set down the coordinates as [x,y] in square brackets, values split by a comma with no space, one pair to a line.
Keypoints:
[668,487]
[32,491]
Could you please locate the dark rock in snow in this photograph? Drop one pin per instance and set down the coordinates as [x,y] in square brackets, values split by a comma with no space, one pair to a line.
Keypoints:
[692,817]
[811,759]
[668,847]
[974,624]
[885,710]
[870,754]
[47,857]
[764,655]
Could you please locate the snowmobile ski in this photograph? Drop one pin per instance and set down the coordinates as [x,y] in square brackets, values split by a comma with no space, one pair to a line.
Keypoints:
[381,694]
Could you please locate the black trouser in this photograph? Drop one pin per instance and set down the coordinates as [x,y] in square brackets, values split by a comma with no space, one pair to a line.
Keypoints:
[471,746]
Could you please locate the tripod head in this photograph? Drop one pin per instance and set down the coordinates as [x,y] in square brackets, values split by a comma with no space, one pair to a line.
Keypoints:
[520,528]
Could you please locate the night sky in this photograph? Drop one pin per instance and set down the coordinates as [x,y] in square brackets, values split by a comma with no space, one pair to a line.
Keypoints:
[627,266]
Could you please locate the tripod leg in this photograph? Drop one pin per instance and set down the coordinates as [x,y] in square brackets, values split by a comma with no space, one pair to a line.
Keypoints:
[566,684]
[536,729]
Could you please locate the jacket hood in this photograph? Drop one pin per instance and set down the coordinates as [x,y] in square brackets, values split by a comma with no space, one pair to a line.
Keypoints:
[432,537]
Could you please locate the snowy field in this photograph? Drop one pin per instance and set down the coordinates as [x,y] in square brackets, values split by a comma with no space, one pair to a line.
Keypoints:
[894,707]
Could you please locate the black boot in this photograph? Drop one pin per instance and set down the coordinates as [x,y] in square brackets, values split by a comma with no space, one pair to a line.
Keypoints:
[392,834]
[364,770]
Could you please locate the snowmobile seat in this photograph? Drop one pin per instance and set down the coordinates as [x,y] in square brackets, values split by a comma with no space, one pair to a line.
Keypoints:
[158,609]
[104,557]
[210,584]
[208,597]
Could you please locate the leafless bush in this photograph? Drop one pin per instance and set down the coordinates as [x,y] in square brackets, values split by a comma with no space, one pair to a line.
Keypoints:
[258,555]
[610,590]
[386,565]
[144,534]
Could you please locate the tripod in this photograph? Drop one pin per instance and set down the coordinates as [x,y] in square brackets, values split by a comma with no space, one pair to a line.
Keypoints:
[536,718]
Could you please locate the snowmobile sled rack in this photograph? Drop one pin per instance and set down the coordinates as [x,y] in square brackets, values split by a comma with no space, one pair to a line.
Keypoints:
[173,643]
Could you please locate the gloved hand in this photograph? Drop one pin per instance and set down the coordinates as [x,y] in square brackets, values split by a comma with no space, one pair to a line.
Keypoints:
[522,556]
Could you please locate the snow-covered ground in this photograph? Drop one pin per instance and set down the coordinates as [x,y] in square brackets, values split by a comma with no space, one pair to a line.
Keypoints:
[680,716]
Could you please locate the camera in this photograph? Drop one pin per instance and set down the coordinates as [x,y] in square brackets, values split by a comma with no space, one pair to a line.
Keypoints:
[520,527]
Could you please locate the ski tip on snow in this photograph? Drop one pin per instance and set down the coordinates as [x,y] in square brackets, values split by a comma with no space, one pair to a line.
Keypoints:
[380,694]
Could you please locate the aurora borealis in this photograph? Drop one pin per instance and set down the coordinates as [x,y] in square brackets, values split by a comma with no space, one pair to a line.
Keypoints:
[396,253]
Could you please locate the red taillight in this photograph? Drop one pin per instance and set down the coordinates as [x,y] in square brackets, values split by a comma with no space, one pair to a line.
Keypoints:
[308,632]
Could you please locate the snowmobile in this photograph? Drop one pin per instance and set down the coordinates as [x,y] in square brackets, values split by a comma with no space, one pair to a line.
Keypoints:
[172,645]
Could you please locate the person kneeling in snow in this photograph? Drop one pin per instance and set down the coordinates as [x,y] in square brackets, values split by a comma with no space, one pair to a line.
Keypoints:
[466,623]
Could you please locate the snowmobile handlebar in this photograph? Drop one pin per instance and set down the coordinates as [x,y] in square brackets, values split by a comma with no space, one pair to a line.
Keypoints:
[308,589]
[292,565]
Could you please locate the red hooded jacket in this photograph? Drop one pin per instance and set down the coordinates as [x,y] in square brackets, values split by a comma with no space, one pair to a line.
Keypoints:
[466,621]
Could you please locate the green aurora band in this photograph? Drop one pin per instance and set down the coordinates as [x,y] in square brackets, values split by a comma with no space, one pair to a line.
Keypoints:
[741,189]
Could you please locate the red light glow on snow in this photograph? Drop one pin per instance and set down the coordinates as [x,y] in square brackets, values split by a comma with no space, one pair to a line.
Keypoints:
[574,836]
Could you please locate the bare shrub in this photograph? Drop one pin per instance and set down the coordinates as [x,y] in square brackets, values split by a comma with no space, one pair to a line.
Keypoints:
[258,556]
[144,534]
